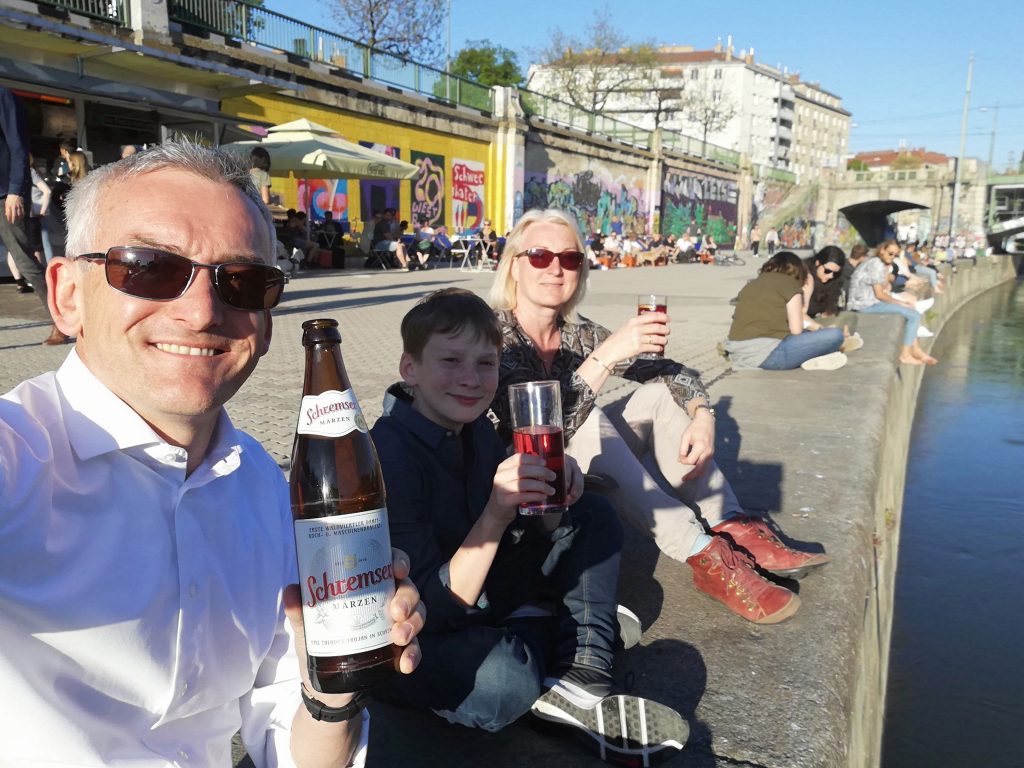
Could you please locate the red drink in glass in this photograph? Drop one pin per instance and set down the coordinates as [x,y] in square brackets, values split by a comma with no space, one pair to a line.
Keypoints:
[546,442]
[651,302]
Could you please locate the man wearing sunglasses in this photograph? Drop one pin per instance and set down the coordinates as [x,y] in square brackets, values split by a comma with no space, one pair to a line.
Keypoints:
[146,558]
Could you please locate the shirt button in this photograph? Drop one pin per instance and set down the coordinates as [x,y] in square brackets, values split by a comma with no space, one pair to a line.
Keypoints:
[193,589]
[184,689]
[183,754]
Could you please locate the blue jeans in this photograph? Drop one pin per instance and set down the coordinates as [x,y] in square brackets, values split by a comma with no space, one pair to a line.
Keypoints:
[488,674]
[931,275]
[912,315]
[792,351]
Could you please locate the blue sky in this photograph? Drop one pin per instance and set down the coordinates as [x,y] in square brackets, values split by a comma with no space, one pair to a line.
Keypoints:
[900,66]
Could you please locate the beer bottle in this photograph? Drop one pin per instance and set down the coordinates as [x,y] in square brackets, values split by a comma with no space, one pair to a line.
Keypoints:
[341,527]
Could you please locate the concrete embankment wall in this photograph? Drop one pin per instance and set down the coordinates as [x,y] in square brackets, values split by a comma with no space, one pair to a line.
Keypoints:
[825,455]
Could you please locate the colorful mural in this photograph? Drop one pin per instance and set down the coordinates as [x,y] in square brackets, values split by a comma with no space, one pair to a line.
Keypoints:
[378,194]
[696,202]
[596,197]
[324,195]
[467,194]
[428,189]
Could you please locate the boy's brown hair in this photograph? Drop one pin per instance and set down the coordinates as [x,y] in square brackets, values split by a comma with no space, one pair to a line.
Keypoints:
[447,312]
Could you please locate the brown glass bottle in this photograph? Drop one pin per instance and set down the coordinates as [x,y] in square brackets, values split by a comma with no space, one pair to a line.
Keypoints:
[341,528]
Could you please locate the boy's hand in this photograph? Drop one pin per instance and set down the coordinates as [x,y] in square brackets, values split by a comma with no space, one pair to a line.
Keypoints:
[520,479]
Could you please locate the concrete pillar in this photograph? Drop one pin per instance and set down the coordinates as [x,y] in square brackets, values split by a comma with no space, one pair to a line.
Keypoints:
[509,158]
[148,18]
[653,184]
[745,202]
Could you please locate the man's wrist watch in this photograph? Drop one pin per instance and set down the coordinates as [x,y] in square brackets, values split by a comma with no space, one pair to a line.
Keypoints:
[706,407]
[320,711]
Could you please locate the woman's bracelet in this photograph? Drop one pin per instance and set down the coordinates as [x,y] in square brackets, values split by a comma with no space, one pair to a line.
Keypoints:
[601,362]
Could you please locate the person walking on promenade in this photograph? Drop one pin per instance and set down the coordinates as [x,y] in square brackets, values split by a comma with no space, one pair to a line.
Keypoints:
[771,240]
[755,240]
[539,284]
[148,554]
[16,190]
[870,292]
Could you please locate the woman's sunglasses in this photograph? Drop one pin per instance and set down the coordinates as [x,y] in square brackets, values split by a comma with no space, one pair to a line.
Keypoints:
[147,273]
[832,272]
[540,258]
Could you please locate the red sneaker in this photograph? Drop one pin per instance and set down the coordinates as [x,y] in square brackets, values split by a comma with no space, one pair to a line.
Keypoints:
[767,549]
[729,576]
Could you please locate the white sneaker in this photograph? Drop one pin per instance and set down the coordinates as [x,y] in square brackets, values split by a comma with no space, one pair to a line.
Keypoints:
[830,362]
[852,343]
[924,305]
[924,333]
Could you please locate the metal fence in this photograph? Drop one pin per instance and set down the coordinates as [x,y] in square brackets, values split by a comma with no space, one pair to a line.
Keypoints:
[264,28]
[562,113]
[105,10]
[688,145]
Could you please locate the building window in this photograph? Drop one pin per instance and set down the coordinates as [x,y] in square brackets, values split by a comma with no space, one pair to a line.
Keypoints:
[694,74]
[718,74]
[716,96]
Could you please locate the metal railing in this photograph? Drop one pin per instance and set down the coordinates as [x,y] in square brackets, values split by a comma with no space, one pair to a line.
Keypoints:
[105,10]
[688,145]
[266,29]
[775,174]
[538,105]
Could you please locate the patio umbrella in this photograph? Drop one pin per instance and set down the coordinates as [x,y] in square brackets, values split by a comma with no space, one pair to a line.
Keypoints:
[870,218]
[310,150]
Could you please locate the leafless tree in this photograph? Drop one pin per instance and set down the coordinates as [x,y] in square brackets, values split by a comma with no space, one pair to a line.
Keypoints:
[709,109]
[413,29]
[590,71]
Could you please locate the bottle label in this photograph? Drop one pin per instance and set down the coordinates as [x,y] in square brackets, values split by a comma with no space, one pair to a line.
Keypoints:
[330,414]
[347,582]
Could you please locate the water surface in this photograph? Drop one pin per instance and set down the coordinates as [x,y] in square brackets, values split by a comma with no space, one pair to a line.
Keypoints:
[956,674]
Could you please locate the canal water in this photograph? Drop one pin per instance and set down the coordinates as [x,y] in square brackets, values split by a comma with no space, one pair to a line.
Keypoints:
[956,673]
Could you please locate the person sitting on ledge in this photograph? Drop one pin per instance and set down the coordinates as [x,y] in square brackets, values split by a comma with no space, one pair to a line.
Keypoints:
[870,292]
[656,446]
[521,613]
[768,326]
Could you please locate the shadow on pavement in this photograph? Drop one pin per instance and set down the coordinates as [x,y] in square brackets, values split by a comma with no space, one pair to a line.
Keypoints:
[340,303]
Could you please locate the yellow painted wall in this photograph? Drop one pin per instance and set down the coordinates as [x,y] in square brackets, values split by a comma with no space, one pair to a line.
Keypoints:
[277,109]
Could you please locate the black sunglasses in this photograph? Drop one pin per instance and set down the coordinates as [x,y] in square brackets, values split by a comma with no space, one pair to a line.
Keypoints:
[147,273]
[540,258]
[831,271]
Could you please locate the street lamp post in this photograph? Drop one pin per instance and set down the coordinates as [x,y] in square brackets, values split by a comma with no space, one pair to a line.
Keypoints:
[448,55]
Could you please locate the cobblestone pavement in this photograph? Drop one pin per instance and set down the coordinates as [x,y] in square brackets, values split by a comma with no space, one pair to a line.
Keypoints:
[369,306]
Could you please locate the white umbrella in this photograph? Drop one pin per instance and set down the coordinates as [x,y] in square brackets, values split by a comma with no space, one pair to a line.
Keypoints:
[311,150]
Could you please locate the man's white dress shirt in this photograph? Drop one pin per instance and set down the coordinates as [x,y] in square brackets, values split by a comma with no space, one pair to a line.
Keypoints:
[141,621]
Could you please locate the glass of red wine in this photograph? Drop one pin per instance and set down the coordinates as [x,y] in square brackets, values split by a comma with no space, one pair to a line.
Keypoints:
[536,408]
[651,302]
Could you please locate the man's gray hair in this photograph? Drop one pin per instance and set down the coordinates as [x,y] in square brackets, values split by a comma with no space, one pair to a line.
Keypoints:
[82,204]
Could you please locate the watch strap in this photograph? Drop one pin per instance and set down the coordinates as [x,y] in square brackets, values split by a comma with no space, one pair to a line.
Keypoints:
[320,711]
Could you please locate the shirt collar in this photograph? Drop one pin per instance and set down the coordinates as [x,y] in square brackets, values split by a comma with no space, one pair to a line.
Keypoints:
[398,405]
[98,422]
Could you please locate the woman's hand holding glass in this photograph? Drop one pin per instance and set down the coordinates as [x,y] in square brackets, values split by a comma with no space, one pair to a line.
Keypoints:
[644,333]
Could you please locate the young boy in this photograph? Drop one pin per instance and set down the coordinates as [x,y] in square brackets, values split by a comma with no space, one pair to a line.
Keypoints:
[521,612]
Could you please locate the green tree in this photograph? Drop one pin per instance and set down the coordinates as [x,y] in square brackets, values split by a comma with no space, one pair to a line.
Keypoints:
[486,63]
[406,28]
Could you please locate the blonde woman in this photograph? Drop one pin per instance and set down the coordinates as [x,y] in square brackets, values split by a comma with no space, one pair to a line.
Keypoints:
[78,165]
[539,284]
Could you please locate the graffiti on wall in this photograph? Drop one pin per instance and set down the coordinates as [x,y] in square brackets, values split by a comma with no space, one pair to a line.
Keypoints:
[694,202]
[467,194]
[599,202]
[324,195]
[428,189]
[378,194]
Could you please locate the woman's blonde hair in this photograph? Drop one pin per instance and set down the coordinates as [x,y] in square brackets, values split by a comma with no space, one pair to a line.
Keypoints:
[503,290]
[78,165]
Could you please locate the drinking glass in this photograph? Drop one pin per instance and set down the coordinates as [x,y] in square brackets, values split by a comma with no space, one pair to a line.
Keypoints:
[536,409]
[651,302]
